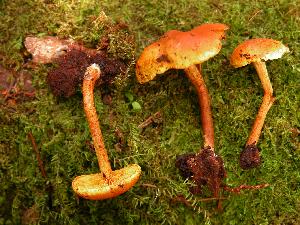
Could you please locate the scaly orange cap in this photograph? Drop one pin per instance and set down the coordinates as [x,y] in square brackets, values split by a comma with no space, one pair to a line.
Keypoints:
[255,50]
[179,50]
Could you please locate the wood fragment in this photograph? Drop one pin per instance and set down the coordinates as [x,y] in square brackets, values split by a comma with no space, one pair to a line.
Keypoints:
[38,156]
[182,199]
[255,14]
[238,189]
[151,119]
[148,185]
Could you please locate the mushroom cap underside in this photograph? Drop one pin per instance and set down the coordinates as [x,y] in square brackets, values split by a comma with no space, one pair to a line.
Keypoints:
[255,50]
[179,50]
[97,187]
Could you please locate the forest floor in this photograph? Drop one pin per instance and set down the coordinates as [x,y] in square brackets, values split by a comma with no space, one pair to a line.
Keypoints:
[33,119]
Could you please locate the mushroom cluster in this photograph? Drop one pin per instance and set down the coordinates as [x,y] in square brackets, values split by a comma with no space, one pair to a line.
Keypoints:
[174,50]
[187,50]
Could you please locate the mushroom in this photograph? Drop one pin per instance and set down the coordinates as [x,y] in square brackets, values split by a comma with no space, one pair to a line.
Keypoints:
[187,50]
[257,51]
[108,183]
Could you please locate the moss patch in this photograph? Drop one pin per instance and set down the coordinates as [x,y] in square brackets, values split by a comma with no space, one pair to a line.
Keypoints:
[161,196]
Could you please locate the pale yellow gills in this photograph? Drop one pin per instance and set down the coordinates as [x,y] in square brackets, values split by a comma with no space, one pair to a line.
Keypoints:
[97,187]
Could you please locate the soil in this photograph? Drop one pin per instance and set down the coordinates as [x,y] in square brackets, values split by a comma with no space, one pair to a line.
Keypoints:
[250,157]
[207,169]
[204,168]
[65,78]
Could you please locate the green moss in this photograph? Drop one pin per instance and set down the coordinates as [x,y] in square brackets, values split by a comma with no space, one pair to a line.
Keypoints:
[62,135]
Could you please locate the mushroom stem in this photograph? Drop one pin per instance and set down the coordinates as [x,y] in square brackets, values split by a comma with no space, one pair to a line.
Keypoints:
[266,104]
[91,76]
[194,74]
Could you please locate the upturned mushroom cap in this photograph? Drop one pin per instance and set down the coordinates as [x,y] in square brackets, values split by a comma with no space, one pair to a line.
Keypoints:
[255,50]
[97,187]
[179,50]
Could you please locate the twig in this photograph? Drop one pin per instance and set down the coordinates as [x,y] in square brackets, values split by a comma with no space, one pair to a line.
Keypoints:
[148,185]
[49,187]
[255,14]
[211,199]
[38,156]
[151,119]
[243,186]
[182,199]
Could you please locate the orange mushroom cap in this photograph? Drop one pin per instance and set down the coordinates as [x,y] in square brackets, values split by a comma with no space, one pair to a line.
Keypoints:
[179,50]
[255,50]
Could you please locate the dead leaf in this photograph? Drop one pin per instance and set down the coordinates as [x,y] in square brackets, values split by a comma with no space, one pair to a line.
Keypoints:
[31,215]
[46,49]
[15,85]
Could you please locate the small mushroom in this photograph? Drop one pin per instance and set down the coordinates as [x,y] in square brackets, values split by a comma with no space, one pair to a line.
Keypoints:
[187,50]
[257,51]
[108,183]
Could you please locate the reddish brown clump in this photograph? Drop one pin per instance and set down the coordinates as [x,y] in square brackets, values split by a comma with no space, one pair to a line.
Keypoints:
[250,157]
[204,168]
[183,165]
[64,79]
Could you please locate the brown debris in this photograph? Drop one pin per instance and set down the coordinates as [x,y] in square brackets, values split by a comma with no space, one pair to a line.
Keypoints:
[48,185]
[110,29]
[295,132]
[204,168]
[163,58]
[31,215]
[181,199]
[72,59]
[250,157]
[90,146]
[147,185]
[186,202]
[15,86]
[107,99]
[64,79]
[37,153]
[155,118]
[103,43]
[121,140]
[238,189]
[46,49]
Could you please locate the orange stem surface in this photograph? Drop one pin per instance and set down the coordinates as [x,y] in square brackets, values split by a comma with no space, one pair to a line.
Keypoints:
[194,74]
[266,104]
[90,78]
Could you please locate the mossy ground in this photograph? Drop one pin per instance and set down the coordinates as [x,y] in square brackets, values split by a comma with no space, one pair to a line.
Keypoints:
[62,134]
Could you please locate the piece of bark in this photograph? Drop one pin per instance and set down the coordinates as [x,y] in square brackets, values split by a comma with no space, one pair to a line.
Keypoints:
[46,49]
